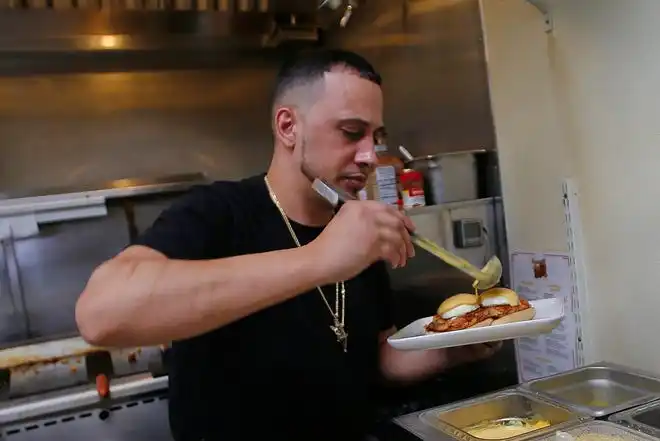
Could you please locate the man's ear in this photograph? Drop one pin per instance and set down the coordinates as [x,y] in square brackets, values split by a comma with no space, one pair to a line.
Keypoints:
[284,126]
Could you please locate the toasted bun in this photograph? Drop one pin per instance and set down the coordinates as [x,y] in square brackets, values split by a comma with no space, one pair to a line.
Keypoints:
[520,316]
[457,300]
[482,324]
[499,297]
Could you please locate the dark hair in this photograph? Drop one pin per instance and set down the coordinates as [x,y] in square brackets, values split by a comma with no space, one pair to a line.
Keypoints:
[308,66]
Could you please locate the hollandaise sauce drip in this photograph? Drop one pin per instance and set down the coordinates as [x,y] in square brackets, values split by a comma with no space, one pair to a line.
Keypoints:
[475,285]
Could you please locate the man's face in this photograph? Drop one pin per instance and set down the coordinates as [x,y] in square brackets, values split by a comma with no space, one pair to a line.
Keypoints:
[338,130]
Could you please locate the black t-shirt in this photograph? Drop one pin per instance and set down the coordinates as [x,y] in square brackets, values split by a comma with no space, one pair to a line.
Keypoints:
[279,373]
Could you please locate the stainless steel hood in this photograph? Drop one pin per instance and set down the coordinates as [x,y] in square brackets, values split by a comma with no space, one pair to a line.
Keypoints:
[146,25]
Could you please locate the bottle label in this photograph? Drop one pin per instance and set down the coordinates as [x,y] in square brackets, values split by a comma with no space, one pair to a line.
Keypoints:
[386,184]
[413,197]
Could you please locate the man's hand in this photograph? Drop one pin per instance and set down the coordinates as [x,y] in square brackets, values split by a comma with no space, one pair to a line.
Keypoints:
[472,353]
[362,233]
[407,366]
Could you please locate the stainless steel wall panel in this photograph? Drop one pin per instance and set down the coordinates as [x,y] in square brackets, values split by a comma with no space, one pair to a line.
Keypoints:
[57,129]
[55,266]
[67,119]
[12,314]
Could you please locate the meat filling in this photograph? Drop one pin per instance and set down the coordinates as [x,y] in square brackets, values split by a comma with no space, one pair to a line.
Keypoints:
[438,324]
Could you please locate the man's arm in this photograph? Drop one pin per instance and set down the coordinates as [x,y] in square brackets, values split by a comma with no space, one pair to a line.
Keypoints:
[143,298]
[409,366]
[180,281]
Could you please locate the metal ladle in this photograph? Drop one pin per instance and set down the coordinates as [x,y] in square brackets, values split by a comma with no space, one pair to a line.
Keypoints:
[485,278]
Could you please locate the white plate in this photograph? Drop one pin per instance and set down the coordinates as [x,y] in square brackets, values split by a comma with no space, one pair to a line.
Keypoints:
[549,313]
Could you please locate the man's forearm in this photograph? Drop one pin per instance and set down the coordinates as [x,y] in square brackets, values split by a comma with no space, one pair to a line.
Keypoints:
[132,302]
[408,366]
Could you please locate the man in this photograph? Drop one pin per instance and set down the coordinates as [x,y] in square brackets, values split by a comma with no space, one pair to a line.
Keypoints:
[277,308]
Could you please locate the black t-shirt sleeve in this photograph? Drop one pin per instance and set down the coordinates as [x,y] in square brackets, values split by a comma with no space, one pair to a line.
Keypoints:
[193,228]
[384,293]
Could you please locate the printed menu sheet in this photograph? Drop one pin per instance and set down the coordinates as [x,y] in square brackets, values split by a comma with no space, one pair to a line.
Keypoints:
[537,276]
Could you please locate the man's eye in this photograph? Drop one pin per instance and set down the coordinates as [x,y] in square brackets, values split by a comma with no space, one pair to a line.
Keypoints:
[353,135]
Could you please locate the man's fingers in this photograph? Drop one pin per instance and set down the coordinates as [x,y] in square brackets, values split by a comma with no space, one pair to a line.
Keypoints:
[409,247]
[394,219]
[410,226]
[491,348]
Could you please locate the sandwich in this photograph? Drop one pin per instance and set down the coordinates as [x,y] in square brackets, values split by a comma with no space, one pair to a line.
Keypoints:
[496,306]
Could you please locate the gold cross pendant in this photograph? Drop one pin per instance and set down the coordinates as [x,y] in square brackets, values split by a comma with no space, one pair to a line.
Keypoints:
[341,334]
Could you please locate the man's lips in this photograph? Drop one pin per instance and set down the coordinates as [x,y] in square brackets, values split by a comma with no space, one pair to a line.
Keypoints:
[357,181]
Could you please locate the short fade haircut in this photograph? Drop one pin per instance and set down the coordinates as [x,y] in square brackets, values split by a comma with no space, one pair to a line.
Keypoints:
[309,66]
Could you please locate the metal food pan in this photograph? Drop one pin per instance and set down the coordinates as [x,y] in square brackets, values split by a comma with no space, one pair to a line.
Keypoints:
[452,419]
[644,418]
[598,390]
[603,428]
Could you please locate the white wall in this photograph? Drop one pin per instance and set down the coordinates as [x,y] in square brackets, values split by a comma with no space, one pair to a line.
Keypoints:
[584,102]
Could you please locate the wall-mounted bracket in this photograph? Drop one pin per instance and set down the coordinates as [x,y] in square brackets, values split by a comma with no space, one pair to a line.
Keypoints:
[542,6]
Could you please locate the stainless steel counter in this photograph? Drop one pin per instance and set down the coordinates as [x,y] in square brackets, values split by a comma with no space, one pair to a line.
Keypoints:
[568,401]
[137,410]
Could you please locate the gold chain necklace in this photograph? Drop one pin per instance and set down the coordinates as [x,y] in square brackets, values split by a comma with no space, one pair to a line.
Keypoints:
[338,315]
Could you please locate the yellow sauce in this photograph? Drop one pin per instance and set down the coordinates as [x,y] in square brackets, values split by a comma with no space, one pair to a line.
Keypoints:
[598,403]
[475,285]
[502,430]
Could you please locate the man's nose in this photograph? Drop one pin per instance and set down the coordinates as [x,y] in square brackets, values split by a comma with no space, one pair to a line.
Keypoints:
[366,154]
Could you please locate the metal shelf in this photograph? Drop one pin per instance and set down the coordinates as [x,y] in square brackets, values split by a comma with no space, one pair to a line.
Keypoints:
[450,206]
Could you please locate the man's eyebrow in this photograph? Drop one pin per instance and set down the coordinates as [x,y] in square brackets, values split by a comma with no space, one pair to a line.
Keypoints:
[360,122]
[357,121]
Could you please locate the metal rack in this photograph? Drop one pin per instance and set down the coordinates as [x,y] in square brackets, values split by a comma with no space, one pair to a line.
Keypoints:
[136,410]
[51,390]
